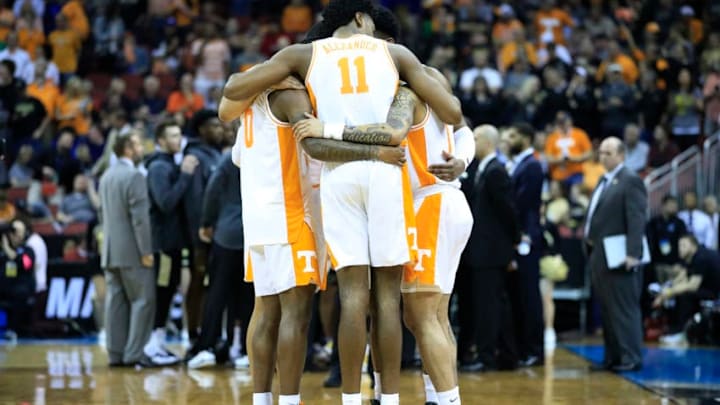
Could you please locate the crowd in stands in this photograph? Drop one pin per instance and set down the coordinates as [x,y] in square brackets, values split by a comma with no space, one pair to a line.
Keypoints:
[75,74]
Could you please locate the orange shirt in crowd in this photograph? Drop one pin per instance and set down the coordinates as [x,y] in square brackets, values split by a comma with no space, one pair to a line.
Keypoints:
[177,102]
[7,18]
[553,21]
[185,17]
[7,212]
[630,71]
[696,31]
[66,49]
[80,109]
[591,174]
[503,32]
[509,54]
[575,144]
[30,39]
[76,17]
[296,19]
[48,94]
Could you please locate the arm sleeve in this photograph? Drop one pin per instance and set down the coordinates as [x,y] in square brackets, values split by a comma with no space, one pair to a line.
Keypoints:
[165,194]
[635,206]
[139,207]
[464,145]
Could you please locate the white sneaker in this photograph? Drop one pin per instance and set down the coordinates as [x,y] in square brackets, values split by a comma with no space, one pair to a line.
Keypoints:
[234,352]
[102,338]
[677,339]
[203,359]
[550,339]
[242,363]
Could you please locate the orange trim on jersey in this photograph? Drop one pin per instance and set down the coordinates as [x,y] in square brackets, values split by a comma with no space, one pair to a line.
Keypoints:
[290,166]
[248,134]
[450,139]
[424,121]
[417,145]
[409,213]
[277,121]
[392,61]
[307,75]
[311,94]
[248,267]
[428,222]
[333,260]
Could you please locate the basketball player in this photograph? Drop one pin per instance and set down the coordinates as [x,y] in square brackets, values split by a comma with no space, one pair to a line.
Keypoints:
[444,223]
[352,80]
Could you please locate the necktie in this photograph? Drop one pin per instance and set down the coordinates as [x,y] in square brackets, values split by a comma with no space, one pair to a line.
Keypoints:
[594,202]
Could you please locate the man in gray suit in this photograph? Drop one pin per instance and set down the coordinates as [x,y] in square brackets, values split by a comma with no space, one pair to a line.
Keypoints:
[127,257]
[618,207]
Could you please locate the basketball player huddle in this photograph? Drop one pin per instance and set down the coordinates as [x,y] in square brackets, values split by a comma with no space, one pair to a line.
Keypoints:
[350,150]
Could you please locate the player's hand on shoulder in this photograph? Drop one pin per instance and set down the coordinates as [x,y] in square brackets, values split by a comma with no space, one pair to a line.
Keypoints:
[394,155]
[310,127]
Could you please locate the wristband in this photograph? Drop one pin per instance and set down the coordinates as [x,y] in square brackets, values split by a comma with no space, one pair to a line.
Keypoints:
[333,131]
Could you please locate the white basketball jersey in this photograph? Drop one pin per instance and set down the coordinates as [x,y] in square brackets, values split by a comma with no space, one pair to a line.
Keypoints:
[352,80]
[272,191]
[426,142]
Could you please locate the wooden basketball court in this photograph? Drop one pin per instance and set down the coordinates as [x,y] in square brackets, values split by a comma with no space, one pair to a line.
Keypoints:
[77,374]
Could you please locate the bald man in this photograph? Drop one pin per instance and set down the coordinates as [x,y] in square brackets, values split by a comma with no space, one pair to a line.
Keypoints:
[617,207]
[487,256]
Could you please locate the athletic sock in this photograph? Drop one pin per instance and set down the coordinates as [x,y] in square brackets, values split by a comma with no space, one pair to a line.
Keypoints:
[262,398]
[289,399]
[390,399]
[430,393]
[451,397]
[378,385]
[351,399]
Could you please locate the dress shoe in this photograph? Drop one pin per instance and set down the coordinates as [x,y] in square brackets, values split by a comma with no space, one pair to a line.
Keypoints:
[595,367]
[621,368]
[374,402]
[531,361]
[333,380]
[474,367]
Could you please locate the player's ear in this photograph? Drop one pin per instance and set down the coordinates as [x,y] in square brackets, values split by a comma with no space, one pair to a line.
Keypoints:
[359,19]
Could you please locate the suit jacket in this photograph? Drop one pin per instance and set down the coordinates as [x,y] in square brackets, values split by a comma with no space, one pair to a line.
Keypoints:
[527,181]
[620,211]
[125,217]
[495,229]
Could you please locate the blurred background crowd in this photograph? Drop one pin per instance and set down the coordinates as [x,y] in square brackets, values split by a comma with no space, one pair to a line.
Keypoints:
[75,74]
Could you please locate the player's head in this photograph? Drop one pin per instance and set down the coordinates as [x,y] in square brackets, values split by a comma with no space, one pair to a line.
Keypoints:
[318,31]
[688,246]
[357,14]
[169,136]
[520,137]
[208,127]
[386,25]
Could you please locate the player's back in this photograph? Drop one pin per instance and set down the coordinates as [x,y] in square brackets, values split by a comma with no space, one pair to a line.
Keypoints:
[351,80]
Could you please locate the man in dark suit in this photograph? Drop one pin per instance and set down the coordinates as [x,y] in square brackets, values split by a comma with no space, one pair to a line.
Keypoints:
[127,257]
[617,207]
[481,278]
[527,178]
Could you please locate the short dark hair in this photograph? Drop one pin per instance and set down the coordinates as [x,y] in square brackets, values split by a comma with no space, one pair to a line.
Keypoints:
[121,143]
[160,129]
[10,65]
[386,23]
[340,12]
[200,118]
[669,197]
[692,238]
[525,130]
[317,31]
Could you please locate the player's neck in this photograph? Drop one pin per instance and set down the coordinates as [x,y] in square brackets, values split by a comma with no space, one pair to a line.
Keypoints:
[346,31]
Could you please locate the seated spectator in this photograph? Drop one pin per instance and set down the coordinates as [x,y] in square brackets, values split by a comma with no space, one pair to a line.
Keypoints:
[151,97]
[566,149]
[135,57]
[663,149]
[185,100]
[636,150]
[46,92]
[7,209]
[214,56]
[481,67]
[552,21]
[59,162]
[7,19]
[116,98]
[16,54]
[17,281]
[697,279]
[616,102]
[516,48]
[30,32]
[74,107]
[66,45]
[685,110]
[550,98]
[697,222]
[52,73]
[482,106]
[693,25]
[652,101]
[627,65]
[506,27]
[583,106]
[21,172]
[297,17]
[81,205]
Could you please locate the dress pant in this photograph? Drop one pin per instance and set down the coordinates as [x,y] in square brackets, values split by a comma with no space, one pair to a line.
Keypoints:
[196,290]
[167,284]
[527,307]
[129,312]
[227,291]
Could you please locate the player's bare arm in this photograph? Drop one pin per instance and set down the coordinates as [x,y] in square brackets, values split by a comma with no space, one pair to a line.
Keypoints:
[392,132]
[442,102]
[331,150]
[290,60]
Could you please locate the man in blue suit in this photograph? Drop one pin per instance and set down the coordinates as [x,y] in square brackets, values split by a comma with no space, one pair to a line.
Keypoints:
[527,178]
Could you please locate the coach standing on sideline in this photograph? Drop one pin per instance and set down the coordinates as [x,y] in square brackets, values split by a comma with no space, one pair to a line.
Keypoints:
[127,256]
[618,207]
